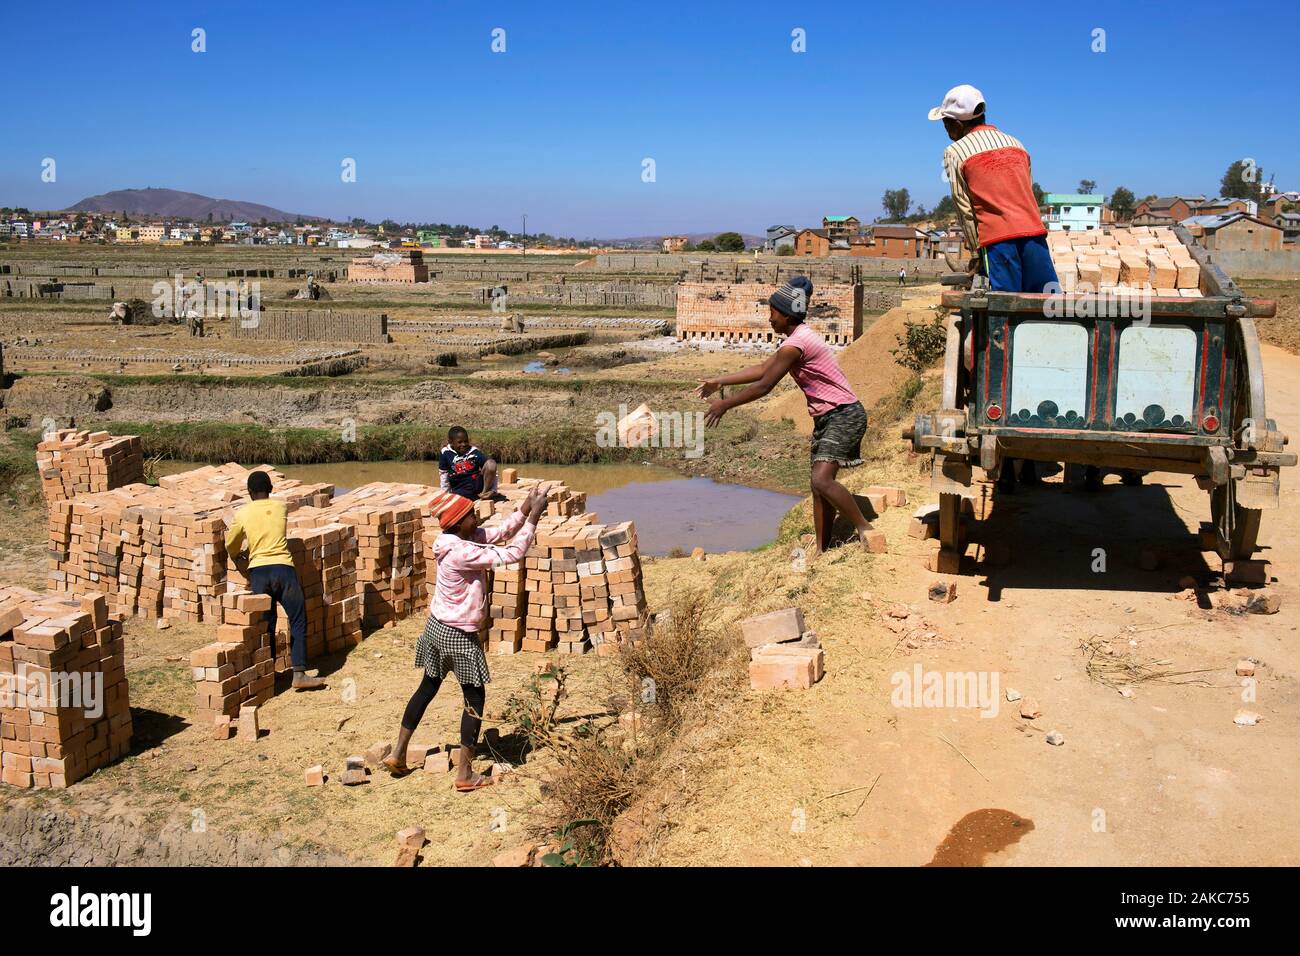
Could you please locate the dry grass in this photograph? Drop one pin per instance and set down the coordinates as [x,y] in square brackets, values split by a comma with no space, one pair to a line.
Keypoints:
[665,687]
[668,674]
[1113,669]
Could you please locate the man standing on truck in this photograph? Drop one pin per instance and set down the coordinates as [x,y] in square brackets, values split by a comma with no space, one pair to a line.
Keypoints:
[993,189]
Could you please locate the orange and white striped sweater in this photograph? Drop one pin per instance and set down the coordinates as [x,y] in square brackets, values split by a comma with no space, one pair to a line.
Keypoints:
[992,185]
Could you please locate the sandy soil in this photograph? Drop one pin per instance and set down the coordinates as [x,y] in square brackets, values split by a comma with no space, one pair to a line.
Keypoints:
[840,775]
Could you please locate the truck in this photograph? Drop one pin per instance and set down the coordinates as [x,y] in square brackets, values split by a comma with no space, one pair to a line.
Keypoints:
[1176,386]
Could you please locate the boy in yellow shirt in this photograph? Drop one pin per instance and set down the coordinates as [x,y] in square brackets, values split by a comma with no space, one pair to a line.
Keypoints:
[261,525]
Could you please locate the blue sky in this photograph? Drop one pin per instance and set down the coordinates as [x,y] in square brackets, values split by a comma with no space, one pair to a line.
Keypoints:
[744,132]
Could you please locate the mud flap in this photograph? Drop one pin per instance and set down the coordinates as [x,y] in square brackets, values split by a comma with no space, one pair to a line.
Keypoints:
[951,476]
[1260,491]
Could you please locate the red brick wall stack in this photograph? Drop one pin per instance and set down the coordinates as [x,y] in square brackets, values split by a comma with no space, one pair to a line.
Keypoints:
[738,312]
[50,737]
[72,462]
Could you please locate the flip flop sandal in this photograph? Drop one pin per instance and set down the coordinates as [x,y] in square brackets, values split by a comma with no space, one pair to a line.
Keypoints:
[469,786]
[396,769]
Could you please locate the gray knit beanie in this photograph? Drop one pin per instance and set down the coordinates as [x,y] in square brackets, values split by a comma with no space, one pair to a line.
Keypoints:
[792,298]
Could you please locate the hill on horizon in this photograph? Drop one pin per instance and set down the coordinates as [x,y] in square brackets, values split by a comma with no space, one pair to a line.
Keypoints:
[174,204]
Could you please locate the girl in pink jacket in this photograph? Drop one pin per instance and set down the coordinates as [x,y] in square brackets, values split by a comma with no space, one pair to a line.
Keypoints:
[450,641]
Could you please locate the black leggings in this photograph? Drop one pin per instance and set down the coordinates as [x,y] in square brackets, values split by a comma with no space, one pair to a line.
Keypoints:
[471,718]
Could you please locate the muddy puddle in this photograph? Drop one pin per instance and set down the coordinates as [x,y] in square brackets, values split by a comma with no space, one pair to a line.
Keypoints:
[978,835]
[670,511]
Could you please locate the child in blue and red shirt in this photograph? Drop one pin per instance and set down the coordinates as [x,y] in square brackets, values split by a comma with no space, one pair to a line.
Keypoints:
[463,469]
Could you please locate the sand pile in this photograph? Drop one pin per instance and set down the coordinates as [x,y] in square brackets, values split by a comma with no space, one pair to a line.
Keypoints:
[869,367]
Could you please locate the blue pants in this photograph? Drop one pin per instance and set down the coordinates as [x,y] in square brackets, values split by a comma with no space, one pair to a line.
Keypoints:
[1018,265]
[281,582]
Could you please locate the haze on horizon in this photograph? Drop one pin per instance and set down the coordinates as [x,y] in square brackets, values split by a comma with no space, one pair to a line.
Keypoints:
[743,131]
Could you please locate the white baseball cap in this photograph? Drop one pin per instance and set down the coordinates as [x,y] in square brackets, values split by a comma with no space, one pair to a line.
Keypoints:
[959,103]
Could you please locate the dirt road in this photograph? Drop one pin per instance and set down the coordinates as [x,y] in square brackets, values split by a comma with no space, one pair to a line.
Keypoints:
[841,775]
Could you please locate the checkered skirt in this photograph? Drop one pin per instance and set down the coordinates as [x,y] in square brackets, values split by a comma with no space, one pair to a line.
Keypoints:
[442,648]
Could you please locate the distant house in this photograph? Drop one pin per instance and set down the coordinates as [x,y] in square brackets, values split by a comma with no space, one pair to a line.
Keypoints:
[1279,203]
[673,243]
[430,238]
[1234,232]
[950,244]
[239,228]
[1289,223]
[1162,209]
[779,237]
[1072,212]
[812,242]
[126,234]
[841,227]
[1222,206]
[890,241]
[482,241]
[357,242]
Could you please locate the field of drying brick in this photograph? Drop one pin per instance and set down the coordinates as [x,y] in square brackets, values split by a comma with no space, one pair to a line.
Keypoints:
[1177,782]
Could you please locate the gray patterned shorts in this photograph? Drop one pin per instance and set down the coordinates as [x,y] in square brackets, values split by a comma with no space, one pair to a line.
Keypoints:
[837,435]
[442,648]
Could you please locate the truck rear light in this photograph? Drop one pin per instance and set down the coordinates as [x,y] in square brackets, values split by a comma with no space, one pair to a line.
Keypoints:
[1210,423]
[994,412]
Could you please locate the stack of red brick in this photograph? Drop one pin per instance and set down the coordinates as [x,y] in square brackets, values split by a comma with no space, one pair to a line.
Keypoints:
[389,523]
[237,668]
[158,552]
[72,462]
[581,588]
[64,709]
[1125,261]
[738,312]
[782,655]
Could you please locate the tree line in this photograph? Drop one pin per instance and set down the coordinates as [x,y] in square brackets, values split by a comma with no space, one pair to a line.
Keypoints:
[1242,180]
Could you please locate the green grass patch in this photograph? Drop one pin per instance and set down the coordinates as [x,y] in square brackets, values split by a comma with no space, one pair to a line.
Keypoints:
[18,479]
[559,383]
[217,442]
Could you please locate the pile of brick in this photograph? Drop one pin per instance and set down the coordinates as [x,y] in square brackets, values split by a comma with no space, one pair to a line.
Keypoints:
[582,583]
[782,654]
[64,709]
[408,265]
[158,552]
[236,669]
[1125,261]
[72,462]
[738,312]
[389,521]
[314,325]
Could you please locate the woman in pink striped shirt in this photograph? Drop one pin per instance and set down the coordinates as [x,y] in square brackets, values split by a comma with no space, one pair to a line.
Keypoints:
[839,420]
[450,641]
